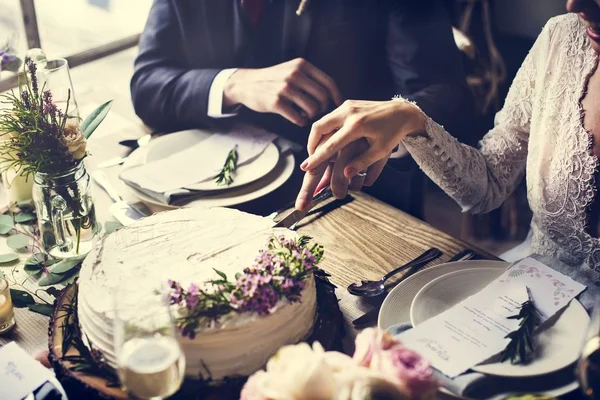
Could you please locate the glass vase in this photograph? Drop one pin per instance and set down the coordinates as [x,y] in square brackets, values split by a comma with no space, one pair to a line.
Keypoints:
[65,212]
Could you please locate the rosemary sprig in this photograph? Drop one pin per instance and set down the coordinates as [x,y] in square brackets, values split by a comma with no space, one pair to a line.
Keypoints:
[521,347]
[225,177]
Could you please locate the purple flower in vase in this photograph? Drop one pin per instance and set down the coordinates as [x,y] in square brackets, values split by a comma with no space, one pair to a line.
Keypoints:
[32,68]
[26,100]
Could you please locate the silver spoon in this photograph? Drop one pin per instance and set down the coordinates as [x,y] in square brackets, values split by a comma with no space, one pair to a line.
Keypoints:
[375,288]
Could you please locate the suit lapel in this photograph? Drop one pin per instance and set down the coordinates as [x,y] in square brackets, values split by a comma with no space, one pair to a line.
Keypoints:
[296,30]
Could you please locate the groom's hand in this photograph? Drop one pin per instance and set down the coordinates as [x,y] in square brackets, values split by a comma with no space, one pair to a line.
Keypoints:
[296,90]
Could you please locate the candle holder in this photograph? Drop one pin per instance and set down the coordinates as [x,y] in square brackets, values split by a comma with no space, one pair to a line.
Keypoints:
[7,315]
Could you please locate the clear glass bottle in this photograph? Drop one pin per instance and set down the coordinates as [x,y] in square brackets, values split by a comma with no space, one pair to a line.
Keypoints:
[65,212]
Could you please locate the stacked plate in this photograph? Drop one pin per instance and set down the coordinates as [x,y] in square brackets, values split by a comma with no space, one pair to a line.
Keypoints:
[271,169]
[434,290]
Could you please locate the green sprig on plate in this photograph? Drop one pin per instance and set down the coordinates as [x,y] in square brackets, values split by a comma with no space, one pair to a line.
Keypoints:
[521,348]
[227,173]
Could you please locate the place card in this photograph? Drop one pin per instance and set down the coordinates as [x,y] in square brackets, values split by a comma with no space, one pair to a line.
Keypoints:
[20,374]
[475,329]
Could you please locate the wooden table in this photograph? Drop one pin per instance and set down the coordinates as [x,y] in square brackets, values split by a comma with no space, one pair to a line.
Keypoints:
[363,239]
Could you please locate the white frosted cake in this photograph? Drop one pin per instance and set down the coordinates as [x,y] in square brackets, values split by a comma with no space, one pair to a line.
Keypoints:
[173,246]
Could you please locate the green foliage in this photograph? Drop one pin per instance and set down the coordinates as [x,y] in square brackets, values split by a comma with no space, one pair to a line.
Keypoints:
[521,348]
[25,217]
[17,242]
[44,309]
[21,298]
[64,266]
[7,224]
[225,177]
[8,258]
[95,118]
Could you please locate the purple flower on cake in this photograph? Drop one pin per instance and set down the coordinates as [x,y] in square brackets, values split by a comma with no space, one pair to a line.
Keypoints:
[279,272]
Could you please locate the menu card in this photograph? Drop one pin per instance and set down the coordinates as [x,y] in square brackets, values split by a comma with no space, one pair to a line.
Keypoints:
[475,329]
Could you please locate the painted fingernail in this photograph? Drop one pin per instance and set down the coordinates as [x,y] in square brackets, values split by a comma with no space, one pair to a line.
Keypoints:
[304,165]
[350,172]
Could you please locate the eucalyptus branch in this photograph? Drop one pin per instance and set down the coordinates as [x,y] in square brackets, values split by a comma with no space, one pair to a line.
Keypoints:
[521,348]
[225,177]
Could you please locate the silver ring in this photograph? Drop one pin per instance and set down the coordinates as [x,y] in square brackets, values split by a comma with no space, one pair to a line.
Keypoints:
[361,174]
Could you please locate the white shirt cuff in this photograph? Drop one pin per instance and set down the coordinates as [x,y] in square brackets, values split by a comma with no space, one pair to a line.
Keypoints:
[215,95]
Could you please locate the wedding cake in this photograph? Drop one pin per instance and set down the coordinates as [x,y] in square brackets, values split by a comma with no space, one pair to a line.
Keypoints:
[271,300]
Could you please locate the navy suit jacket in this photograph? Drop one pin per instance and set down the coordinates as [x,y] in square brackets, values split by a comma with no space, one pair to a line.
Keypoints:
[373,49]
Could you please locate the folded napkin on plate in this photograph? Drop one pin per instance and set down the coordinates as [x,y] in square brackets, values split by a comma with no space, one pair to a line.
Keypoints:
[200,162]
[475,385]
[146,178]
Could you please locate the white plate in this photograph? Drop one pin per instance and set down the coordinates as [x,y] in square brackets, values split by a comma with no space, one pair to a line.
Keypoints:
[243,194]
[448,290]
[166,145]
[396,306]
[558,345]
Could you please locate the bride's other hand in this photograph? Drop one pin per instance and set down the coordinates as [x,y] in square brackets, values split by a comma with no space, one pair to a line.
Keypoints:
[358,136]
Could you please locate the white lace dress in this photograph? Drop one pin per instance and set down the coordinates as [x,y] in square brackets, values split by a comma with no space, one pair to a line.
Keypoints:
[538,134]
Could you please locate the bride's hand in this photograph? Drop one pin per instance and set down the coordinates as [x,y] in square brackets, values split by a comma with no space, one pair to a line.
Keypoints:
[381,125]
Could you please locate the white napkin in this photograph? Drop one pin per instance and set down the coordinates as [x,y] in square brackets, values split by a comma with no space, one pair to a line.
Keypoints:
[200,162]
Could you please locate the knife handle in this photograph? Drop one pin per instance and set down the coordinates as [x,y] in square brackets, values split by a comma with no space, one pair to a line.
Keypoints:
[102,180]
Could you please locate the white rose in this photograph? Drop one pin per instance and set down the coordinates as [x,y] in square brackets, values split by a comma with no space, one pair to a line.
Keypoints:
[297,373]
[74,140]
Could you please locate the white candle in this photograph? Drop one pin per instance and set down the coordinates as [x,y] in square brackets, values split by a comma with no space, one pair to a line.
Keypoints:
[7,320]
[17,186]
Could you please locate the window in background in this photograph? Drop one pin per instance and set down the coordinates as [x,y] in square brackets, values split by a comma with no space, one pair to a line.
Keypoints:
[11,27]
[68,27]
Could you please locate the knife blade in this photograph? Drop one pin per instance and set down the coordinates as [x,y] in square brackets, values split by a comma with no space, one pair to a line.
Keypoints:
[295,216]
[372,315]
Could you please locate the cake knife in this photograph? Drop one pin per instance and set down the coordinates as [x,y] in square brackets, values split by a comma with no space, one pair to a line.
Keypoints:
[295,216]
[287,222]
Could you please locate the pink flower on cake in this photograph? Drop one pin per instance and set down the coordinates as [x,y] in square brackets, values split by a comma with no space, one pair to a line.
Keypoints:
[252,388]
[407,369]
[369,342]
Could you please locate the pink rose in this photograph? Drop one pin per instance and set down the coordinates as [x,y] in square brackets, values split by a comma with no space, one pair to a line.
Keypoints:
[369,342]
[407,369]
[252,388]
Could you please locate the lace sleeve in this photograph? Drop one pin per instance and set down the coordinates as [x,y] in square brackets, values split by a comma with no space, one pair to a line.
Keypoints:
[480,180]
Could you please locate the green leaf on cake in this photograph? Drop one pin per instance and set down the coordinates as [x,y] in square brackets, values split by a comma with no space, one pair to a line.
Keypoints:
[64,266]
[25,217]
[6,224]
[44,309]
[8,258]
[20,298]
[17,241]
[2,274]
[221,274]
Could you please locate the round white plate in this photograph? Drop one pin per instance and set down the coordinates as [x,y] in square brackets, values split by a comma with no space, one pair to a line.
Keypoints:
[447,290]
[396,306]
[166,145]
[243,194]
[558,345]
